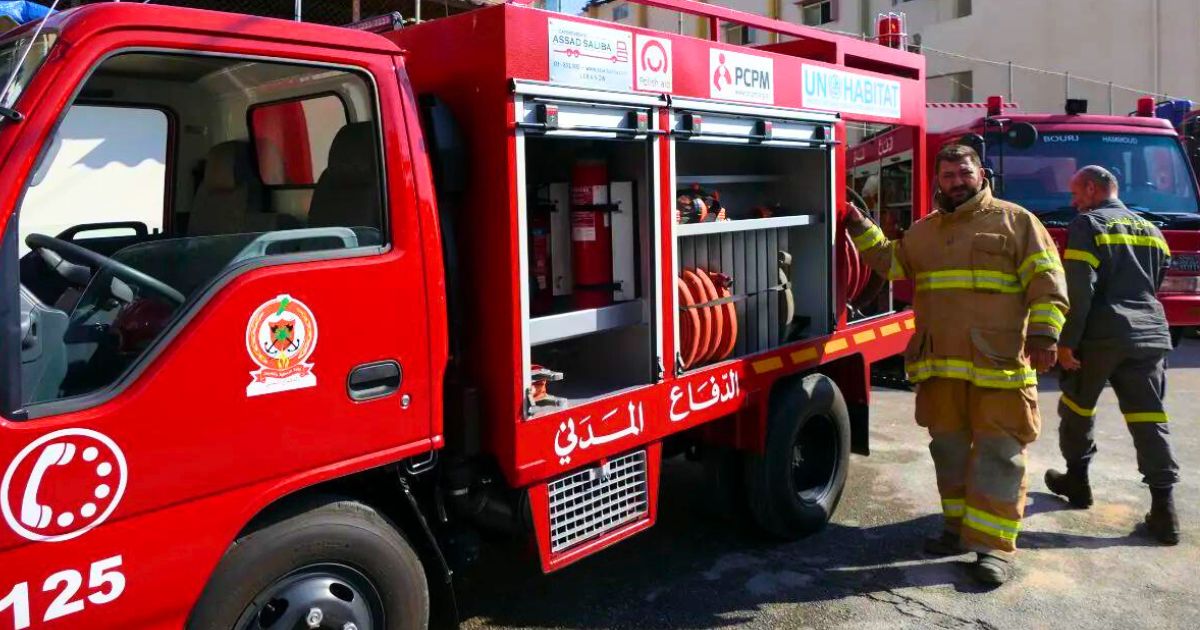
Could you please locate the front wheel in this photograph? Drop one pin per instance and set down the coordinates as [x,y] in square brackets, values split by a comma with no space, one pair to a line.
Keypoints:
[794,486]
[336,564]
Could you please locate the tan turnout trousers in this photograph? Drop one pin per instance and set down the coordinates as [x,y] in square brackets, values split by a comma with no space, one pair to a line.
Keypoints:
[978,439]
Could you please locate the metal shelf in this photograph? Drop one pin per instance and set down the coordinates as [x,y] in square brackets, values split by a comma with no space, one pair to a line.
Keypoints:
[726,179]
[551,328]
[743,225]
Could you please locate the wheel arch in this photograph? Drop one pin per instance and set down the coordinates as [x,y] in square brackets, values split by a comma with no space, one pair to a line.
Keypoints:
[389,491]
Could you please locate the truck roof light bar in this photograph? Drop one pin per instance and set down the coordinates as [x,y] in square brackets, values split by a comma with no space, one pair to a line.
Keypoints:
[995,105]
[1145,106]
[891,31]
[380,23]
[1076,106]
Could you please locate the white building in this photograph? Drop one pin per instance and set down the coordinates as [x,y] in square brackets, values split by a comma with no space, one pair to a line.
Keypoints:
[1141,46]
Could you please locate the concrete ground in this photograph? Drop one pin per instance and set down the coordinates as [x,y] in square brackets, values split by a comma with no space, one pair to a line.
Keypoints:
[1077,569]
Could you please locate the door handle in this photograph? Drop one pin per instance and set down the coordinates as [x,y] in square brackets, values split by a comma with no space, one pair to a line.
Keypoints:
[374,380]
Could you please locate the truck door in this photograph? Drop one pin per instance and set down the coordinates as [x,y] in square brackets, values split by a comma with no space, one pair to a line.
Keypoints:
[218,270]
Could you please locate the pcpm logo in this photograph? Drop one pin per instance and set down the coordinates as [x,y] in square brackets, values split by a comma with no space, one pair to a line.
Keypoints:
[741,77]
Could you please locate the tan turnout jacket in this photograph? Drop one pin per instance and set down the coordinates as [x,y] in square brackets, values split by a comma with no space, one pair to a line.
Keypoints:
[986,275]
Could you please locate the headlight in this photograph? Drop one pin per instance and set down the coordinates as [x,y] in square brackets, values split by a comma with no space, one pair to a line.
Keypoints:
[1181,284]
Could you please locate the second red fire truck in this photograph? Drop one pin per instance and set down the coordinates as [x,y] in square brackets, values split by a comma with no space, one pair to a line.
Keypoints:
[1033,157]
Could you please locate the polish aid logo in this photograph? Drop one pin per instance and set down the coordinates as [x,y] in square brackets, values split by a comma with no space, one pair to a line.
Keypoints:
[654,70]
[740,77]
[280,337]
[63,484]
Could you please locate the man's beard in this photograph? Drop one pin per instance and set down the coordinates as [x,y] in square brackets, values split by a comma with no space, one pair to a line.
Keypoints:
[960,194]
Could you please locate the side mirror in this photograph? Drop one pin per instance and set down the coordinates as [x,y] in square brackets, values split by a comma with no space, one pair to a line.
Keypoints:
[975,141]
[1021,135]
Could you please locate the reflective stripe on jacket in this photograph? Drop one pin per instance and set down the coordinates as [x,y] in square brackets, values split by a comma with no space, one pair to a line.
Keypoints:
[986,275]
[1115,263]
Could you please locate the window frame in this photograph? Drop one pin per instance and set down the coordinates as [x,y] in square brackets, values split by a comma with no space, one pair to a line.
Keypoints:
[292,99]
[172,151]
[832,5]
[12,407]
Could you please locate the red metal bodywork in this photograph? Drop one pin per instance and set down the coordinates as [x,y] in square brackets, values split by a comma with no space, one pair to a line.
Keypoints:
[1182,309]
[511,43]
[204,460]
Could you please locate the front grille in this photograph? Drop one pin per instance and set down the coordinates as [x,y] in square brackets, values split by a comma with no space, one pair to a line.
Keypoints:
[590,502]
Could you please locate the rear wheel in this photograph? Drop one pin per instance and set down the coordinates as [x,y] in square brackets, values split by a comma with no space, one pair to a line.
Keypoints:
[794,486]
[335,564]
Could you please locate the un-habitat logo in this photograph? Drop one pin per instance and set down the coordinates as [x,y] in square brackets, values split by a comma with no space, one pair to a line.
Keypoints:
[839,91]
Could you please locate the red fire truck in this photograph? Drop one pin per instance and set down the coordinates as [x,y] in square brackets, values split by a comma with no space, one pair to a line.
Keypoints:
[293,311]
[1034,155]
[882,172]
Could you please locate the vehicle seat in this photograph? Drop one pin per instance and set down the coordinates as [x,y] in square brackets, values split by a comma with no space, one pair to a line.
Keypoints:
[347,193]
[230,197]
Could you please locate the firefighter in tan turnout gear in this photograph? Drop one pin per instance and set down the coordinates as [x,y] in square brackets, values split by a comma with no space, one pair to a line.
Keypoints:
[990,303]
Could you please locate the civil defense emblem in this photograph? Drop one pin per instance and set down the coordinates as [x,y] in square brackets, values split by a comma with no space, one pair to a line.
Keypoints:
[280,337]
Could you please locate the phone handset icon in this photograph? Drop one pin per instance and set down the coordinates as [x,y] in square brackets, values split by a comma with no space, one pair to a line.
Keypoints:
[34,514]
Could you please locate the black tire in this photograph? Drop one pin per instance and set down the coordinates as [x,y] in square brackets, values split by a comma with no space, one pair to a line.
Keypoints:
[807,420]
[327,536]
[1176,336]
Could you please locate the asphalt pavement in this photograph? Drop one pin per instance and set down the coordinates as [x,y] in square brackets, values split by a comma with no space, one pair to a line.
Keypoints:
[1076,568]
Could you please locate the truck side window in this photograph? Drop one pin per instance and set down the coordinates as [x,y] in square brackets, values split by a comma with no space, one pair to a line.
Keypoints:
[292,138]
[169,173]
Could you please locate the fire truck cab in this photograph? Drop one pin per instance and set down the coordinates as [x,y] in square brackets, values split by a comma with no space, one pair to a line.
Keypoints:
[291,312]
[1033,156]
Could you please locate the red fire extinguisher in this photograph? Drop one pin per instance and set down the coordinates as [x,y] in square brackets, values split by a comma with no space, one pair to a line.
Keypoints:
[591,235]
[541,290]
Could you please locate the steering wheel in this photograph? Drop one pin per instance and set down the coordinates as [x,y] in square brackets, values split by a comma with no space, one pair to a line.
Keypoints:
[55,251]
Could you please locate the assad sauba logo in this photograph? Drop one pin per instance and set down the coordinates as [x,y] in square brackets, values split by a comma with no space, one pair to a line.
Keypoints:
[280,337]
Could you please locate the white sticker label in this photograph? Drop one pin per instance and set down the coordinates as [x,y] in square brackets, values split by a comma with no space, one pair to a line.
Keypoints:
[851,93]
[735,76]
[583,226]
[655,66]
[590,56]
[280,337]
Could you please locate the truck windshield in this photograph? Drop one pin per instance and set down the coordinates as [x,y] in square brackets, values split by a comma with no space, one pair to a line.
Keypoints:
[1152,171]
[15,72]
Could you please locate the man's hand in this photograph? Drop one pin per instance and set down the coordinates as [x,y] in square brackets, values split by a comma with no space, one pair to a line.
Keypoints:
[1042,359]
[1066,358]
[854,216]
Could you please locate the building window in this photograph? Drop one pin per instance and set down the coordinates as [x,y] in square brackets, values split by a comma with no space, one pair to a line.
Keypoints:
[962,8]
[739,34]
[818,12]
[620,12]
[955,87]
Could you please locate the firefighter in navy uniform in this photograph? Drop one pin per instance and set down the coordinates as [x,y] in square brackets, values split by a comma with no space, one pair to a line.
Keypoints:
[989,305]
[1115,333]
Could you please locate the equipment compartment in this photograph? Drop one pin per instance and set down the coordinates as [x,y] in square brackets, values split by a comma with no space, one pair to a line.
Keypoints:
[590,268]
[767,257]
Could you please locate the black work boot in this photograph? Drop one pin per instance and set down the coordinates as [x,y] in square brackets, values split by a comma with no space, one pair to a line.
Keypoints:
[947,544]
[1072,484]
[992,570]
[1162,522]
